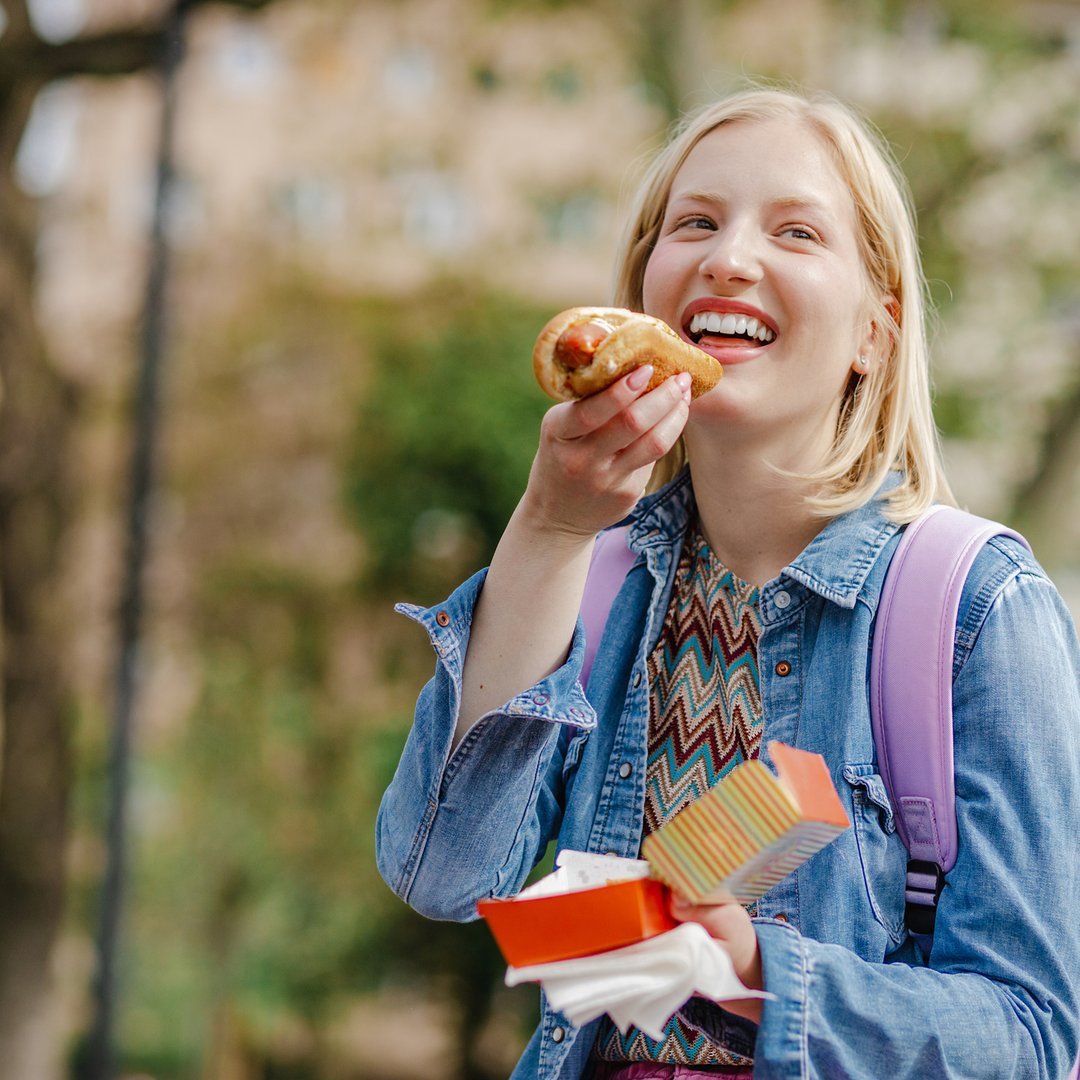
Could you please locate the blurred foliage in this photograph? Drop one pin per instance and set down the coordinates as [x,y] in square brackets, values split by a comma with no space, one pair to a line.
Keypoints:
[445,435]
[256,896]
[256,842]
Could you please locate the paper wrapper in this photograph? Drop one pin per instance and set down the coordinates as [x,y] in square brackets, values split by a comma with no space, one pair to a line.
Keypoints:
[641,985]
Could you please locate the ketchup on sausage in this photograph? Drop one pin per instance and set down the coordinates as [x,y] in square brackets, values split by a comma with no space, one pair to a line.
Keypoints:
[578,343]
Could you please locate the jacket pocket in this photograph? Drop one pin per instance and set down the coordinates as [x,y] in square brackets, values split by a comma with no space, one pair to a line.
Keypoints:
[881,851]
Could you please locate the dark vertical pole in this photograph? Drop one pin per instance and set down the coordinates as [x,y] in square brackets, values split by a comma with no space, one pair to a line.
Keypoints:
[99,1060]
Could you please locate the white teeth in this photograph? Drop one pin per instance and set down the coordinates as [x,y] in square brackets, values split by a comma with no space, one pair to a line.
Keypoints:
[713,322]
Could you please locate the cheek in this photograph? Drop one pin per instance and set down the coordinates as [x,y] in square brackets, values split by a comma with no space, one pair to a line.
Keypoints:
[648,284]
[835,306]
[657,284]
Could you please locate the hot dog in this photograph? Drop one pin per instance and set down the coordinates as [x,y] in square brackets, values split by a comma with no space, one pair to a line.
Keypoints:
[583,350]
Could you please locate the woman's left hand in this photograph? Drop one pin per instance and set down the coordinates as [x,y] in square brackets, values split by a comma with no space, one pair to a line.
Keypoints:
[731,926]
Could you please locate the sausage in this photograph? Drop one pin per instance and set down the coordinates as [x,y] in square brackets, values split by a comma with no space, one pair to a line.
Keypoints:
[577,344]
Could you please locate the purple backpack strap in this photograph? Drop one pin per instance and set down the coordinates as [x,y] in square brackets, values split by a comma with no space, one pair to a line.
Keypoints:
[611,562]
[911,692]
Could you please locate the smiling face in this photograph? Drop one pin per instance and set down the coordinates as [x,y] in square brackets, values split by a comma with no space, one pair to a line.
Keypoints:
[757,262]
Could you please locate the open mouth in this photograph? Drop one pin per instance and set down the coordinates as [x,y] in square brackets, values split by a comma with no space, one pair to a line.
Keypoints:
[729,329]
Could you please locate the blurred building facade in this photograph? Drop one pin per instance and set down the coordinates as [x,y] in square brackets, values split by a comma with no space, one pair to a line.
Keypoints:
[376,147]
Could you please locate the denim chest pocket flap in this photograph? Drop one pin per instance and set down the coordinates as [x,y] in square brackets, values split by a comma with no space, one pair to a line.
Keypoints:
[881,851]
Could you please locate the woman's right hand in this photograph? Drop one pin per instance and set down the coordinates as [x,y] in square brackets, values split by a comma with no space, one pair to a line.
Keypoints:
[596,455]
[592,466]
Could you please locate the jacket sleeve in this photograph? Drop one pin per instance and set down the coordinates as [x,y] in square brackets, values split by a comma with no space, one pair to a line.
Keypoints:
[999,996]
[455,827]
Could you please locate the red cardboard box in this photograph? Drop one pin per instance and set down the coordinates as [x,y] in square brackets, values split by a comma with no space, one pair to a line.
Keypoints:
[547,928]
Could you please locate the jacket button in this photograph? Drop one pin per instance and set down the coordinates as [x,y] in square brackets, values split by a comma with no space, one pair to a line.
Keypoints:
[783,668]
[625,769]
[443,618]
[558,1034]
[637,679]
[782,599]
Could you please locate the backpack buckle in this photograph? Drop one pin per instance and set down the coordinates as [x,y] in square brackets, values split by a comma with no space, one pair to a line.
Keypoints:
[924,883]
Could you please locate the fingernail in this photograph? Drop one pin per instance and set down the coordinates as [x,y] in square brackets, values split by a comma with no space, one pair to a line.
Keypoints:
[684,381]
[640,377]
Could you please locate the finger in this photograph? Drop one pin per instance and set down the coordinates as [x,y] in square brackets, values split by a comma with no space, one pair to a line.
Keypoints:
[683,910]
[718,916]
[592,413]
[641,416]
[654,443]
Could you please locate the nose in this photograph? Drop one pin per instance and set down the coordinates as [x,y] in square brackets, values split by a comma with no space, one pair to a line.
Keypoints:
[732,257]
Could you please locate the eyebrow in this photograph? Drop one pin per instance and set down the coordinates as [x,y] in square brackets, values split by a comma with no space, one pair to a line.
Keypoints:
[785,202]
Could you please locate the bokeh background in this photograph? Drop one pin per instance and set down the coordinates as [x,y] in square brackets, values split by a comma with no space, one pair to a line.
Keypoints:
[374,207]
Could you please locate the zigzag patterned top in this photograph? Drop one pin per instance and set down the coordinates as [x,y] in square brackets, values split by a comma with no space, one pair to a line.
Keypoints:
[705,711]
[705,717]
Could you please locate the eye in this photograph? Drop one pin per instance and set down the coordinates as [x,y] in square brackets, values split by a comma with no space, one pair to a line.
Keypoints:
[693,221]
[801,232]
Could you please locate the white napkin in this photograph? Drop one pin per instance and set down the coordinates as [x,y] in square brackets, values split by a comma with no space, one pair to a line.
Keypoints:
[640,985]
[579,870]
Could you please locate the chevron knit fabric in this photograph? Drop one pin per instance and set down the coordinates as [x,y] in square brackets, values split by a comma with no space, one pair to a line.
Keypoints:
[705,717]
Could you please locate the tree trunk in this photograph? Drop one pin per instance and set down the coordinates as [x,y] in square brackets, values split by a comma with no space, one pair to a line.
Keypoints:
[35,418]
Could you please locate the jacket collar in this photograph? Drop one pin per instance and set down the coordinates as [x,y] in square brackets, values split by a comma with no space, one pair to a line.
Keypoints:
[835,564]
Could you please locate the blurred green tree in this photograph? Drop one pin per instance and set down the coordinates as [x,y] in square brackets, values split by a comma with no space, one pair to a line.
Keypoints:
[445,436]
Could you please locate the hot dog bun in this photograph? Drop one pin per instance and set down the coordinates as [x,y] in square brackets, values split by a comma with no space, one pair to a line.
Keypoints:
[635,339]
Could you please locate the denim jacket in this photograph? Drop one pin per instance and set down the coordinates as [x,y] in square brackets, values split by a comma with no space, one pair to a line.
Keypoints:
[853,996]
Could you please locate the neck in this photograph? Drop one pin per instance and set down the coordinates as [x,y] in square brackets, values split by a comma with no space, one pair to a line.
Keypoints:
[755,520]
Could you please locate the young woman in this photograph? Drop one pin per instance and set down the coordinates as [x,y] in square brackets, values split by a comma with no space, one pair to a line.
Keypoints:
[774,232]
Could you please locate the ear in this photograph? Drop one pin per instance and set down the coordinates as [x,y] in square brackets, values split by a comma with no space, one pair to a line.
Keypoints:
[879,339]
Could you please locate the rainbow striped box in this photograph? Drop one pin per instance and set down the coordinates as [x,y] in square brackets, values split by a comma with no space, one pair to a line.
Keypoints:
[749,831]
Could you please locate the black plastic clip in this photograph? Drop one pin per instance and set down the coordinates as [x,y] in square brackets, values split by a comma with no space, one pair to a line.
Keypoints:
[924,883]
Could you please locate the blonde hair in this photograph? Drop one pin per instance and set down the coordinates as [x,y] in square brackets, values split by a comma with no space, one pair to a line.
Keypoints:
[886,419]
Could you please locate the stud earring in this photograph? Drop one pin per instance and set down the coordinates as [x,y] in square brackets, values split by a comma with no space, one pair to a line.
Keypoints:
[862,364]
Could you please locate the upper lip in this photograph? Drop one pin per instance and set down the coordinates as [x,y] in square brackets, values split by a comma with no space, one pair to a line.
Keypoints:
[724,306]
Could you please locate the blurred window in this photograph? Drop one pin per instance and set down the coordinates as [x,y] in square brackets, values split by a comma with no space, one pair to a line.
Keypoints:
[314,206]
[185,213]
[570,219]
[564,83]
[48,148]
[435,211]
[247,61]
[57,20]
[410,76]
